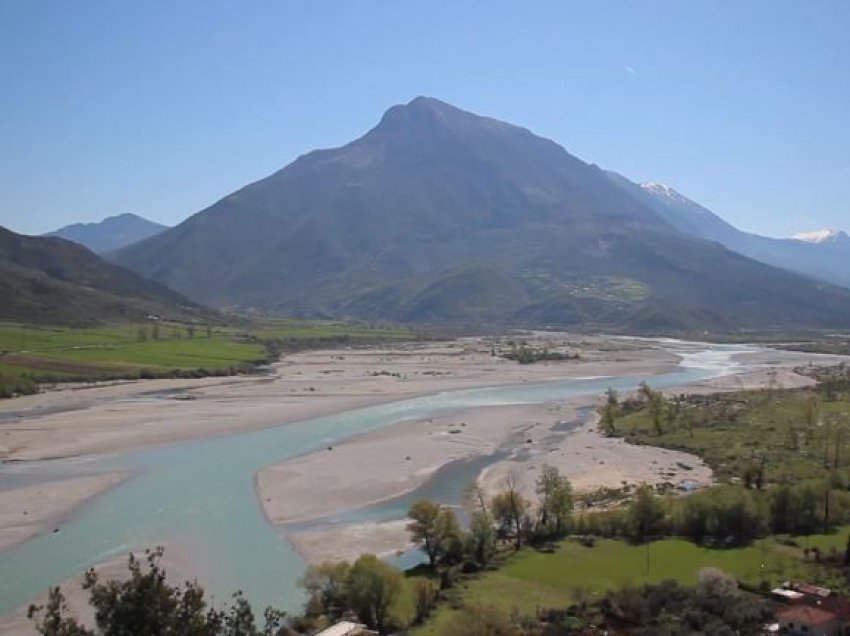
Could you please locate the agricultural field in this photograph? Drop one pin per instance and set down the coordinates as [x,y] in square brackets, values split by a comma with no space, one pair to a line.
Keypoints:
[32,355]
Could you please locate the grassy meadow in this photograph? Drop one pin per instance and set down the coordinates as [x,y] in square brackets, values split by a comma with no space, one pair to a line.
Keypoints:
[796,434]
[31,355]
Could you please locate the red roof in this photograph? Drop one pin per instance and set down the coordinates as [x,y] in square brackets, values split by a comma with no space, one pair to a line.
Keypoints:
[838,605]
[805,615]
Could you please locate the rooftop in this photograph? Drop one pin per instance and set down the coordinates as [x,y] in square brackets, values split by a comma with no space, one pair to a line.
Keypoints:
[805,615]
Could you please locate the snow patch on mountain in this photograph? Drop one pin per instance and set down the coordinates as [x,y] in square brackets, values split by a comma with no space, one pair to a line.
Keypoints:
[818,236]
[664,191]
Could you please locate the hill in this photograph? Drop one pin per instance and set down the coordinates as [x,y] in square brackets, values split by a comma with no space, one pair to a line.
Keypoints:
[822,255]
[48,280]
[111,233]
[440,215]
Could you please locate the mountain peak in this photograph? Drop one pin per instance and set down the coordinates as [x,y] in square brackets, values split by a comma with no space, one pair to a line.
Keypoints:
[113,232]
[429,115]
[424,101]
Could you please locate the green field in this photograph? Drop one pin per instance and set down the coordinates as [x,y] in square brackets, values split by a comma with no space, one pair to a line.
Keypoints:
[532,579]
[55,354]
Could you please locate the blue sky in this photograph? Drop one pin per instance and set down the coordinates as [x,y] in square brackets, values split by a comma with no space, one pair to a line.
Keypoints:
[162,107]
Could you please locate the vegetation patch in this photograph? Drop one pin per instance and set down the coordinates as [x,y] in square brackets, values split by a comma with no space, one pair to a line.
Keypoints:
[32,355]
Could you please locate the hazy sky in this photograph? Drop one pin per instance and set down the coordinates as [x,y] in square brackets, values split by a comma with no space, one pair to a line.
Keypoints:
[162,107]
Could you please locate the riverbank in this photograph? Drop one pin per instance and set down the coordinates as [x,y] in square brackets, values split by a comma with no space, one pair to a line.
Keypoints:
[29,510]
[391,462]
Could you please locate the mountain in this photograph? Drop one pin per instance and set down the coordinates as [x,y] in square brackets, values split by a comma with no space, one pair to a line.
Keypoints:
[440,215]
[49,280]
[111,233]
[825,259]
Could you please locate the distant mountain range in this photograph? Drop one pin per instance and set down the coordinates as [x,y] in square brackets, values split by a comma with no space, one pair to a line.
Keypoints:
[111,233]
[824,255]
[440,215]
[49,280]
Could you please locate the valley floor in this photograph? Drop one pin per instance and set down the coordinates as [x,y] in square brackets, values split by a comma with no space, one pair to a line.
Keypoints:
[374,467]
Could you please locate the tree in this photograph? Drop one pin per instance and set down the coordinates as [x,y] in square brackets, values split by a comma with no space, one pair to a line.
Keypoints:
[655,401]
[646,513]
[481,540]
[372,586]
[609,411]
[715,582]
[326,586]
[449,536]
[556,499]
[423,527]
[426,600]
[510,508]
[811,412]
[847,552]
[146,605]
[51,620]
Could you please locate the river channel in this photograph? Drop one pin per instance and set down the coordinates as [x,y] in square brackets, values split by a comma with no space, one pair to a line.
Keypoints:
[201,493]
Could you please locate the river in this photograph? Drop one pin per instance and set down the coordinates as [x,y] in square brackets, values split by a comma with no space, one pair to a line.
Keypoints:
[201,493]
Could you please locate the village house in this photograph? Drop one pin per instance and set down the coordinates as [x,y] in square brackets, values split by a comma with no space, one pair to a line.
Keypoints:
[810,610]
[804,620]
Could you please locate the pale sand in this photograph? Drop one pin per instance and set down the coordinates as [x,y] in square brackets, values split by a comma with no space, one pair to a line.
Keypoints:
[177,563]
[394,460]
[374,466]
[122,416]
[125,416]
[24,512]
[347,542]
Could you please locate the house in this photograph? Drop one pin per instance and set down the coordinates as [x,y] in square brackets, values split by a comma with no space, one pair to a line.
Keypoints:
[805,620]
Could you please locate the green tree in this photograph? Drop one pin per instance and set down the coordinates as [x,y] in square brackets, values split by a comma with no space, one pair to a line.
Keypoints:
[146,605]
[51,618]
[372,587]
[449,536]
[556,499]
[326,587]
[426,599]
[481,540]
[510,510]
[645,513]
[655,401]
[423,527]
[609,412]
[811,414]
